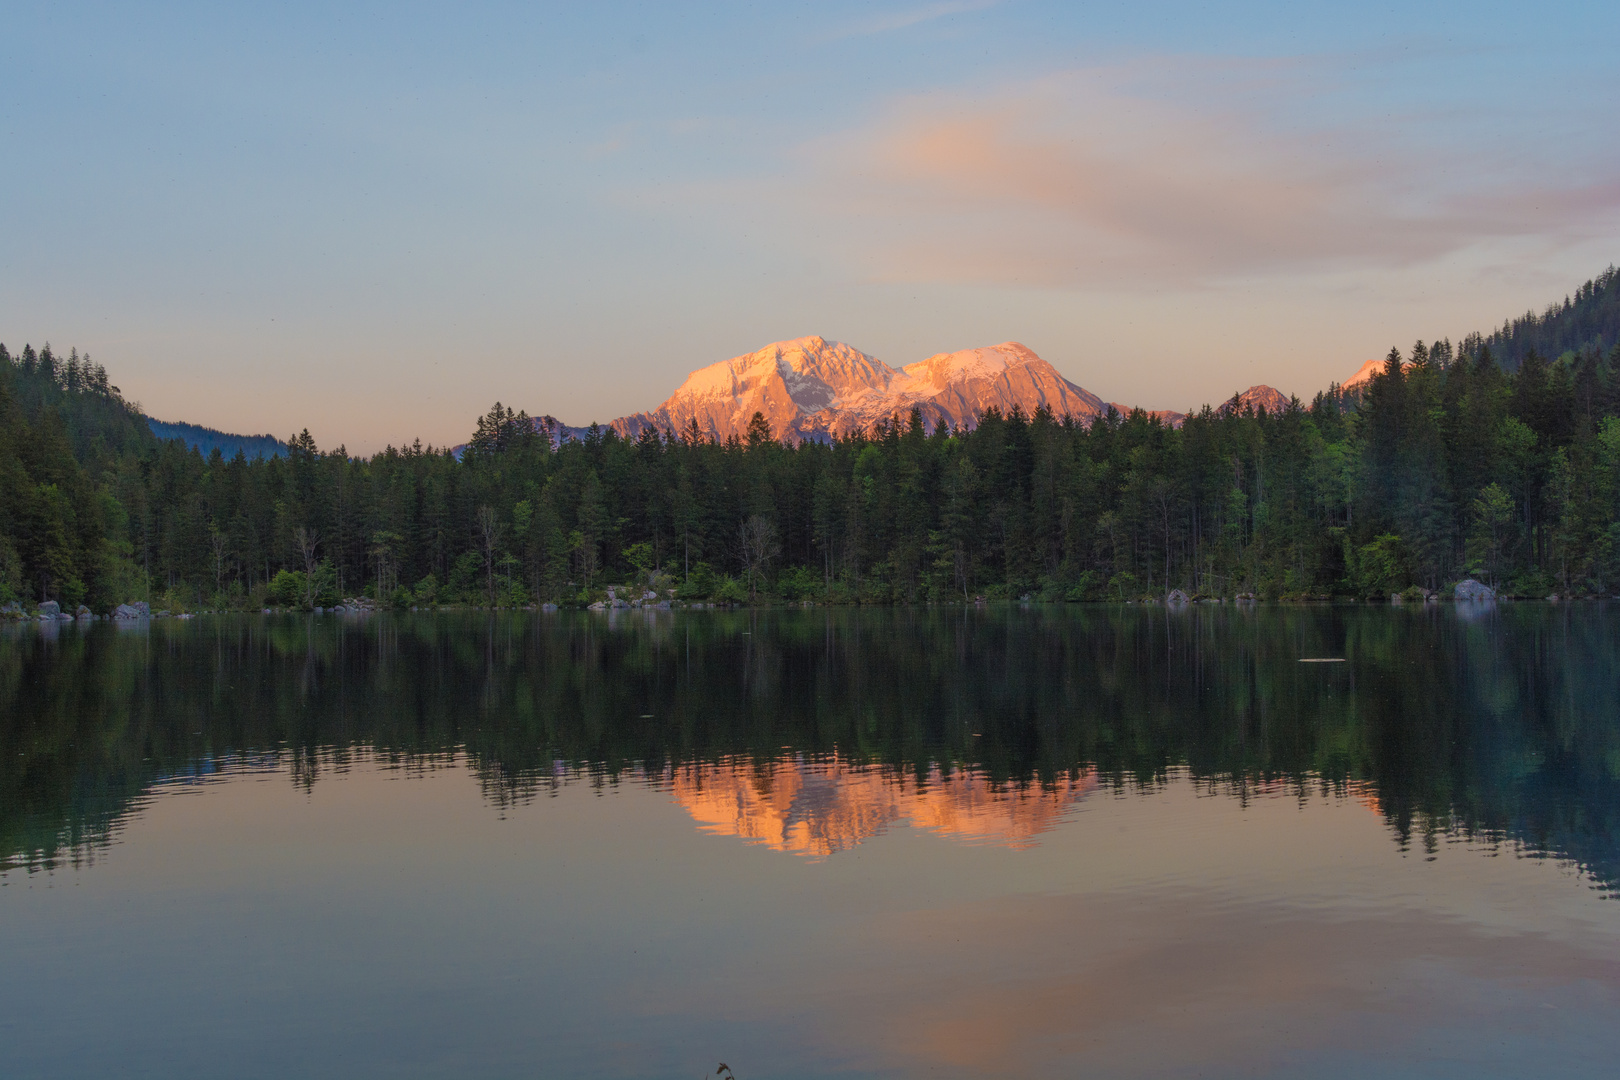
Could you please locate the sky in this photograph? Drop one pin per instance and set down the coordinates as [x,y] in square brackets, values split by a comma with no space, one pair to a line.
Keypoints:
[374,221]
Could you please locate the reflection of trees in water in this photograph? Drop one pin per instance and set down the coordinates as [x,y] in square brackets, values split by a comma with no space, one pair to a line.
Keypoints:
[1499,727]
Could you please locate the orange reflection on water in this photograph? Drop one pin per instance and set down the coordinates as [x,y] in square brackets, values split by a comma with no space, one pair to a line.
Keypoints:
[818,807]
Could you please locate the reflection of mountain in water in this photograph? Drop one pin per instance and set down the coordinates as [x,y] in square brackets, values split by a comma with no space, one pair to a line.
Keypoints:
[1501,726]
[817,808]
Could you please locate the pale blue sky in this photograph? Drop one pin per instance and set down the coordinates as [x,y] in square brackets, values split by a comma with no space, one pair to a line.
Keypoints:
[377,222]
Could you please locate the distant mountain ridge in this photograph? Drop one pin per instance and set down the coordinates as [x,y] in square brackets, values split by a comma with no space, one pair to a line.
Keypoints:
[1259,398]
[206,440]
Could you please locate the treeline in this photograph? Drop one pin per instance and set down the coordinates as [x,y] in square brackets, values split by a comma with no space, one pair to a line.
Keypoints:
[71,451]
[1444,466]
[1587,321]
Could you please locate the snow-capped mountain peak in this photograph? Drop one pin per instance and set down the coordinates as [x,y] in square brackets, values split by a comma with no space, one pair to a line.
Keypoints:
[813,388]
[1363,375]
[940,370]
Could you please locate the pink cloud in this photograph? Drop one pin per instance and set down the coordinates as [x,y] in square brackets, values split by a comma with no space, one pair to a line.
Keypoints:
[1184,172]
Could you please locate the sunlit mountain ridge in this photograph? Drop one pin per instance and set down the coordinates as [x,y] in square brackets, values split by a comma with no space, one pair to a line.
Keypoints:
[814,389]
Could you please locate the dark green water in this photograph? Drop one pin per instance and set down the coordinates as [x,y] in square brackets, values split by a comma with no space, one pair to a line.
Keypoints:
[1052,841]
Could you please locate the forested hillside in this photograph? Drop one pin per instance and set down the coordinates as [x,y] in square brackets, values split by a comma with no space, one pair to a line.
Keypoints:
[207,439]
[1444,466]
[1589,321]
[72,456]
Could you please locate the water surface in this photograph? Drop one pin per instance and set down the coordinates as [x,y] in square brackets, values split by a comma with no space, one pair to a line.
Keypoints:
[934,842]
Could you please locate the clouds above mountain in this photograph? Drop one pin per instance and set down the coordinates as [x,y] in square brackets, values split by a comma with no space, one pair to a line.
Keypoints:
[1175,170]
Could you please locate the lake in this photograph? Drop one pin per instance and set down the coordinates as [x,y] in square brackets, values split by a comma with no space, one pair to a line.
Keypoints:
[942,842]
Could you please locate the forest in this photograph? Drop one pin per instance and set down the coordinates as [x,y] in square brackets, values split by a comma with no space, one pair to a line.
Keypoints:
[1450,464]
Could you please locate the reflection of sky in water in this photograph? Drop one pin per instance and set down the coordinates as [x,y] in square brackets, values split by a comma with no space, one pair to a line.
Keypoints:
[391,921]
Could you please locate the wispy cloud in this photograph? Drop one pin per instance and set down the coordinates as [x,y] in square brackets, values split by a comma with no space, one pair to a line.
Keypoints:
[901,20]
[1169,171]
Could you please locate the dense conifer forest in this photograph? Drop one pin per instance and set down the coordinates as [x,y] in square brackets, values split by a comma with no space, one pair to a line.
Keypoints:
[1587,321]
[1447,465]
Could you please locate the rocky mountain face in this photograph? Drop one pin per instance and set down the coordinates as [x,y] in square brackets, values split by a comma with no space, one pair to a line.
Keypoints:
[1259,397]
[1363,376]
[801,387]
[814,389]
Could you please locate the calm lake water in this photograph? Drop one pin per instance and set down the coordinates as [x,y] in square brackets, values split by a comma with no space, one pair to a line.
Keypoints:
[1101,842]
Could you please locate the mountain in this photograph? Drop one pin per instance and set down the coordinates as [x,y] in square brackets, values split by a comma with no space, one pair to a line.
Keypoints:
[1262,397]
[812,388]
[1363,375]
[207,439]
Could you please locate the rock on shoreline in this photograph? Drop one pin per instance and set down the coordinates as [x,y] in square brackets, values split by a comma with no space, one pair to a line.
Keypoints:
[1473,591]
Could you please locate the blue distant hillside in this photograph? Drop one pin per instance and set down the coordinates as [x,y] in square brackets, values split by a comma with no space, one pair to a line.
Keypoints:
[206,440]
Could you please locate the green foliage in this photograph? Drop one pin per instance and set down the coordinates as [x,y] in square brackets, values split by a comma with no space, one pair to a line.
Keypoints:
[426,590]
[799,583]
[640,556]
[323,588]
[466,577]
[700,584]
[1492,520]
[287,588]
[1532,584]
[1383,567]
[10,572]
